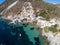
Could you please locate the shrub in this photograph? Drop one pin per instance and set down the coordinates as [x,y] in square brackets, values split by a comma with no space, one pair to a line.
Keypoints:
[53,29]
[46,29]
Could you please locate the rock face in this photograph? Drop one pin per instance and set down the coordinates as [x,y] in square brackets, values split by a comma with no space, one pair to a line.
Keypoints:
[17,8]
[26,11]
[38,5]
[5,4]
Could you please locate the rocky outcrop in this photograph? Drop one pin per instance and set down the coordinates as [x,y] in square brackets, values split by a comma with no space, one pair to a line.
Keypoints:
[6,4]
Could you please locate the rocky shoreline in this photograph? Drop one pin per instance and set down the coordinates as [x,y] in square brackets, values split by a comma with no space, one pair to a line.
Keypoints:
[27,15]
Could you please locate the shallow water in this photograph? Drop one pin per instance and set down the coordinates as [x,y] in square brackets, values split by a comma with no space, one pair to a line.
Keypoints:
[1,16]
[20,34]
[31,33]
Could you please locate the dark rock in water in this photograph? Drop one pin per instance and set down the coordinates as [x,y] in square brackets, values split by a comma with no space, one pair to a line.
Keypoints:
[32,28]
[36,43]
[23,24]
[36,39]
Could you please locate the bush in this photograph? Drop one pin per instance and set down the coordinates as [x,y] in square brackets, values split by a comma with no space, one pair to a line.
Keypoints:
[46,29]
[53,29]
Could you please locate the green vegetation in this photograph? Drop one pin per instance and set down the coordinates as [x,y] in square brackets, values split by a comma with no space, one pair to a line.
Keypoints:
[50,8]
[55,25]
[53,28]
[46,29]
[59,30]
[44,14]
[47,18]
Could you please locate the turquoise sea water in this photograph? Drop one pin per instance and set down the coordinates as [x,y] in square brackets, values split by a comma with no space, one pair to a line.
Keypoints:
[10,34]
[32,32]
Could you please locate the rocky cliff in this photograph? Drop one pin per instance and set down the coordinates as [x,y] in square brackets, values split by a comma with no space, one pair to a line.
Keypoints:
[38,5]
